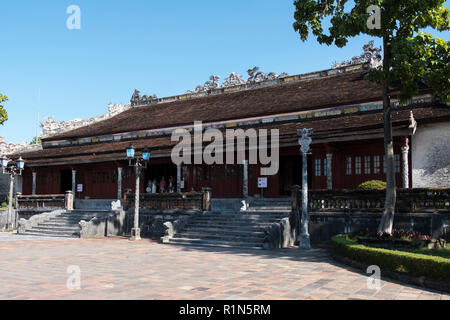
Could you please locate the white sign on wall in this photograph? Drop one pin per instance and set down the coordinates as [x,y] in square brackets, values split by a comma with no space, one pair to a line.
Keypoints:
[262,183]
[80,188]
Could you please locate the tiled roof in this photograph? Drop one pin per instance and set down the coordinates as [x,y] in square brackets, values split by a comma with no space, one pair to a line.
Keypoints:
[322,92]
[338,127]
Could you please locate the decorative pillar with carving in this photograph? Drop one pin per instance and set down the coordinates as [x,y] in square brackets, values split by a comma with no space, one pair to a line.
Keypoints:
[305,143]
[329,171]
[74,182]
[33,188]
[405,164]
[245,187]
[119,182]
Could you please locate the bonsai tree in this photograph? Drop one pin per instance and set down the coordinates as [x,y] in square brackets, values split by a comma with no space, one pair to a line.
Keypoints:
[410,56]
[3,113]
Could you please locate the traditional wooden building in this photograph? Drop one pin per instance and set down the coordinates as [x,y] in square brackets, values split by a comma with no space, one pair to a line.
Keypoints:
[344,110]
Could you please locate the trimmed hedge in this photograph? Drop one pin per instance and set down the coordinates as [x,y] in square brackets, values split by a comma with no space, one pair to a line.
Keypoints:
[413,264]
[373,185]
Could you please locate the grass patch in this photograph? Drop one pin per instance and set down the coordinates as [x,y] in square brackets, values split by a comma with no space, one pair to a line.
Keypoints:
[431,264]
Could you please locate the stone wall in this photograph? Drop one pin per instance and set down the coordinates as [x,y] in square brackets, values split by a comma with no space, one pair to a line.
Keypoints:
[324,226]
[431,156]
[151,222]
[3,219]
[4,187]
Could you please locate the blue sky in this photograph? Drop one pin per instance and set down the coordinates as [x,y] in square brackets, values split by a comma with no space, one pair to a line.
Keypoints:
[158,47]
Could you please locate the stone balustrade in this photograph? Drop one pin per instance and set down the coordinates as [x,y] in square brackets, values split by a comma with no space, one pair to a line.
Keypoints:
[40,202]
[333,212]
[408,200]
[196,201]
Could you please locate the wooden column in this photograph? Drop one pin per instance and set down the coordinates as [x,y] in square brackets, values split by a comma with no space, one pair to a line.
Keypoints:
[74,182]
[245,186]
[119,182]
[329,171]
[179,178]
[33,188]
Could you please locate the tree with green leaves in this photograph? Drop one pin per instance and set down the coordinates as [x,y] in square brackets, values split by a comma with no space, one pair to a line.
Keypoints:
[36,140]
[3,113]
[410,56]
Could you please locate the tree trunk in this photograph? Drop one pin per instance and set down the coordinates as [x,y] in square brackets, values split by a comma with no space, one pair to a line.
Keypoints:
[387,220]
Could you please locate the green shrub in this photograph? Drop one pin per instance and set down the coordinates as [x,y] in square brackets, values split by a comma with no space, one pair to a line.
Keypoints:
[373,185]
[413,264]
[4,205]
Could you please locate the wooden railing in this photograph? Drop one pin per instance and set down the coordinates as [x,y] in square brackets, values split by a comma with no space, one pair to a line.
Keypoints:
[40,202]
[408,200]
[171,201]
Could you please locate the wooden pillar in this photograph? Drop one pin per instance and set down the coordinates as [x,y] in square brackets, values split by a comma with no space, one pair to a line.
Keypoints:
[119,182]
[329,171]
[74,182]
[245,186]
[179,178]
[33,188]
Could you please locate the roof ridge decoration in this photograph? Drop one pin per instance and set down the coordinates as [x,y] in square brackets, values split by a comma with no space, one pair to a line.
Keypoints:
[370,55]
[137,100]
[234,79]
[51,127]
[370,58]
[256,76]
[212,84]
[13,148]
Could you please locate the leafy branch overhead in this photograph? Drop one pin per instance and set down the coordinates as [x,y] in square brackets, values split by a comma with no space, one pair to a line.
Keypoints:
[3,113]
[417,56]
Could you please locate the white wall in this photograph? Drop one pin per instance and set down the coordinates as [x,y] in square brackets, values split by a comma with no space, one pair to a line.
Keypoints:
[431,156]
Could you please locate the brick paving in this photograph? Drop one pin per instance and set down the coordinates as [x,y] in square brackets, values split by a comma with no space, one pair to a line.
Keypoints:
[119,269]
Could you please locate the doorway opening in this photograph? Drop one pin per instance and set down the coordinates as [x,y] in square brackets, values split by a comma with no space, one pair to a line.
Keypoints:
[159,171]
[291,173]
[66,181]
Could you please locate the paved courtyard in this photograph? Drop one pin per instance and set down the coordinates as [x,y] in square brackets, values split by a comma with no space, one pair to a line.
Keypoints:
[120,269]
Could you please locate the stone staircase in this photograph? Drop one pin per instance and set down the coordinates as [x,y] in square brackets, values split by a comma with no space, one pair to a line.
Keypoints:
[65,225]
[234,229]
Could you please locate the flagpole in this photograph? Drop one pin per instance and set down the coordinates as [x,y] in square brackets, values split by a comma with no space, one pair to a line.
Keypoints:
[39,107]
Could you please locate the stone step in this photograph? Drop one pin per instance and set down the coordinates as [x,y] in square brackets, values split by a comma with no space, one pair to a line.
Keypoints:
[237,221]
[253,228]
[36,234]
[226,231]
[264,209]
[72,219]
[212,243]
[249,214]
[52,233]
[213,223]
[82,215]
[62,228]
[58,224]
[221,237]
[245,216]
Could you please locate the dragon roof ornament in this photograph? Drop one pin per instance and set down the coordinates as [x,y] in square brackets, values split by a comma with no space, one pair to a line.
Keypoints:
[370,55]
[212,84]
[255,76]
[137,100]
